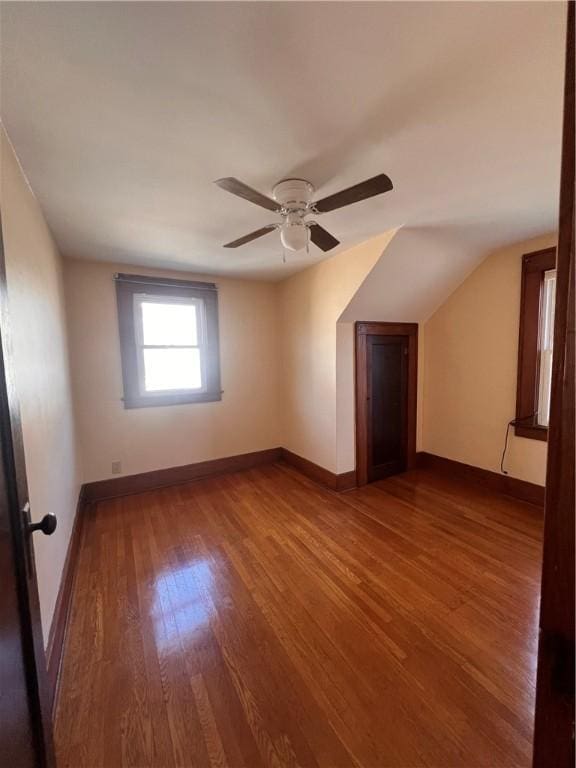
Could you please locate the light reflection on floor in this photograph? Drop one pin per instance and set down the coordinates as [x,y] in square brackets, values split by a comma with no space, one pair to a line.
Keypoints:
[182,604]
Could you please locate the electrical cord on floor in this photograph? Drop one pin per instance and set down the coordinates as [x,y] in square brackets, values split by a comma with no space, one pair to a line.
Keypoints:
[512,423]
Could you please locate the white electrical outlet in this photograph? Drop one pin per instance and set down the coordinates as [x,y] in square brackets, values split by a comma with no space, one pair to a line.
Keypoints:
[116,467]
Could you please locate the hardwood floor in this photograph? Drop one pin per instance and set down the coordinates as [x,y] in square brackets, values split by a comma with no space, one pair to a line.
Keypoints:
[258,620]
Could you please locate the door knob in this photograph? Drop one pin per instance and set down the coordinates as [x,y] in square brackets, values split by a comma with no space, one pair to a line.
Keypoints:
[47,525]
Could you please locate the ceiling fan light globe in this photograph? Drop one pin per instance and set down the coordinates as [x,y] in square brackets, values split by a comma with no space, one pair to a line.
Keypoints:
[294,237]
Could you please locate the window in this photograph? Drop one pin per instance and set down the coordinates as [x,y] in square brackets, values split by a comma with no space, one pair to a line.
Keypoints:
[546,344]
[535,344]
[168,341]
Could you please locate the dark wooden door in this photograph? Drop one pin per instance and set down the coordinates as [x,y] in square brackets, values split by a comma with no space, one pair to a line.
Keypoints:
[387,358]
[554,725]
[386,384]
[25,726]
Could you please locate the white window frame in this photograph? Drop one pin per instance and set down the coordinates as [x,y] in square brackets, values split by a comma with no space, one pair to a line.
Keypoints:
[146,298]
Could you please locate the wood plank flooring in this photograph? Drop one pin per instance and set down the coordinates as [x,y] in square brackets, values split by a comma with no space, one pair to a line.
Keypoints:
[258,620]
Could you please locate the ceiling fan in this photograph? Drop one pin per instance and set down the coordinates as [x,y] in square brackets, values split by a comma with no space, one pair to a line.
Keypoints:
[292,199]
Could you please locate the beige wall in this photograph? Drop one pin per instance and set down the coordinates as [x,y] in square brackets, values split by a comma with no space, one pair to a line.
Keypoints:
[315,420]
[345,399]
[470,364]
[144,439]
[36,309]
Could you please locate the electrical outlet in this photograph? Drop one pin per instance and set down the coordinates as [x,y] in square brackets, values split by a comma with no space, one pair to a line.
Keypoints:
[116,467]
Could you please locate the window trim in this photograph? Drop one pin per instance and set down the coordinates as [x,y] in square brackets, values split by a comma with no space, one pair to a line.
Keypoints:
[534,265]
[127,287]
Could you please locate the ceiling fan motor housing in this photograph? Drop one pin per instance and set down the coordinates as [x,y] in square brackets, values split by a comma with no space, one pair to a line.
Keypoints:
[294,197]
[293,194]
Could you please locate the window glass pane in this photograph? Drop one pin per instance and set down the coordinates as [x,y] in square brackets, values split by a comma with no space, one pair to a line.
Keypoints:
[170,323]
[169,369]
[546,344]
[549,299]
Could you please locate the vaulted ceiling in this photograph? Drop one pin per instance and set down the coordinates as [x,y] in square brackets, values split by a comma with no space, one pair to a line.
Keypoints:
[123,114]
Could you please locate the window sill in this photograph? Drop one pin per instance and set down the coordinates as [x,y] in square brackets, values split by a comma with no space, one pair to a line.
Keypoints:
[531,431]
[156,401]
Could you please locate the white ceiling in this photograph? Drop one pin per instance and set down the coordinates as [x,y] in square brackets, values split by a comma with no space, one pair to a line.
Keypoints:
[123,114]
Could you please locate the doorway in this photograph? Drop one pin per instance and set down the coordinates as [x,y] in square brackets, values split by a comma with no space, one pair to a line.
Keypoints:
[386,386]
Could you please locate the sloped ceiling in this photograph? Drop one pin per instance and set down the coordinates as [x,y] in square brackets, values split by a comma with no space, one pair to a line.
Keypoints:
[417,271]
[123,114]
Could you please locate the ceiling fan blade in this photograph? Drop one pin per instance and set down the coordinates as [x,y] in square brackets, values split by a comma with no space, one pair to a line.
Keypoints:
[230,184]
[322,238]
[369,188]
[251,236]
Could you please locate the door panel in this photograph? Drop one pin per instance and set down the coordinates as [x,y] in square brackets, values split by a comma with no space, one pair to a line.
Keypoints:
[386,373]
[25,723]
[555,710]
[17,743]
[387,370]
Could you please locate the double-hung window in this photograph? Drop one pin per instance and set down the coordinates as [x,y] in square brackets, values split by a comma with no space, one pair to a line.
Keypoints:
[546,346]
[168,340]
[538,294]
